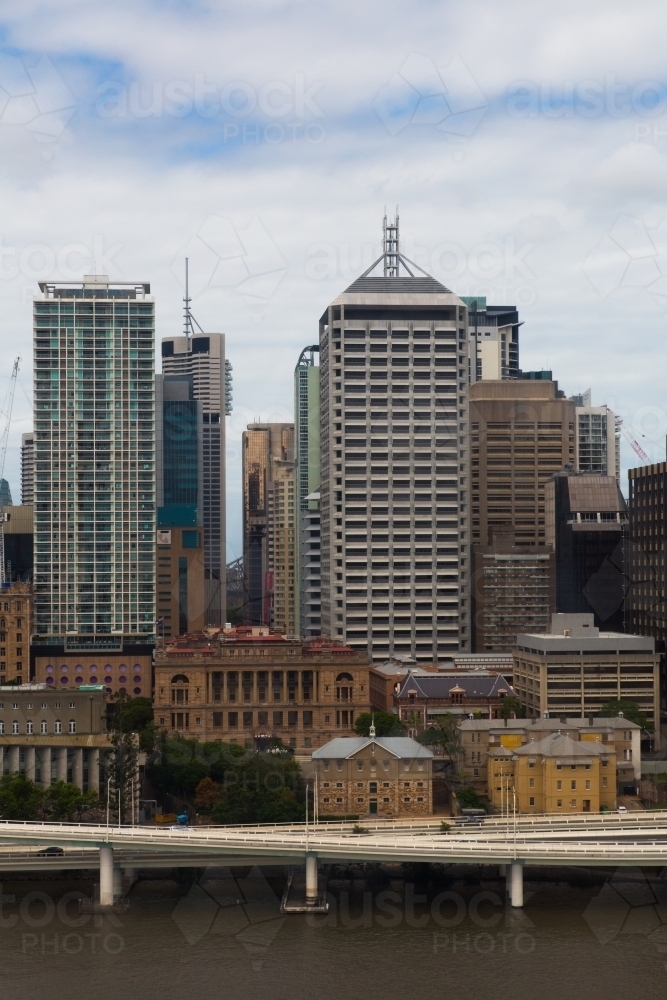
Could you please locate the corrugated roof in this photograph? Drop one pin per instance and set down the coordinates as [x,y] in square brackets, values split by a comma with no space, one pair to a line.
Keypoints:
[398,286]
[346,746]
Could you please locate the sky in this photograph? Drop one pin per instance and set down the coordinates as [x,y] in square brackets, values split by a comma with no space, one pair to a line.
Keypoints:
[525,146]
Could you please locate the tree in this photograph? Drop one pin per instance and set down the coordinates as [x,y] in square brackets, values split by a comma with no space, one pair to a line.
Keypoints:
[207,794]
[20,798]
[511,706]
[443,733]
[134,715]
[64,801]
[386,724]
[630,710]
[122,771]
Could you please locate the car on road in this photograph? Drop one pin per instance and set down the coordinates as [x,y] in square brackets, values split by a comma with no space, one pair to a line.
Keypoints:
[622,809]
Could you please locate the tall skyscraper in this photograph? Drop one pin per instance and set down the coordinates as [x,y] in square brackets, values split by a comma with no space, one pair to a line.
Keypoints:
[307,526]
[269,548]
[586,522]
[94,368]
[5,494]
[493,333]
[203,359]
[180,538]
[394,419]
[597,439]
[27,467]
[520,434]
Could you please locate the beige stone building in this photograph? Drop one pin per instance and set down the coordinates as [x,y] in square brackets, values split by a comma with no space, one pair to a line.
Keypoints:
[481,739]
[247,685]
[16,623]
[181,595]
[374,776]
[554,775]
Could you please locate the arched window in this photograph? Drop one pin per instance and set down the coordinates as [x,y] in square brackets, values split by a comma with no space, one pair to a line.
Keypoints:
[3,623]
[344,677]
[72,726]
[180,679]
[344,687]
[58,726]
[180,694]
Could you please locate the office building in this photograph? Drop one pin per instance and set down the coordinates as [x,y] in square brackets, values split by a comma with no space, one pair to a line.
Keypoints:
[5,494]
[307,528]
[597,444]
[587,521]
[386,776]
[249,685]
[575,669]
[269,520]
[16,624]
[18,543]
[202,358]
[181,589]
[493,333]
[481,738]
[520,434]
[394,492]
[94,369]
[513,590]
[27,468]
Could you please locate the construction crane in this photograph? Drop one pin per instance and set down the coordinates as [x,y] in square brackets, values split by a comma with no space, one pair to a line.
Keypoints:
[6,416]
[636,447]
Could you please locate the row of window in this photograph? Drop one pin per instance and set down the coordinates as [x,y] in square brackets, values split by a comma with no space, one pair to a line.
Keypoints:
[406,798]
[43,727]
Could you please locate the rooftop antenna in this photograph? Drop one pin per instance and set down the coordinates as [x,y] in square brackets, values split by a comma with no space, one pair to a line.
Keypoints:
[390,245]
[189,322]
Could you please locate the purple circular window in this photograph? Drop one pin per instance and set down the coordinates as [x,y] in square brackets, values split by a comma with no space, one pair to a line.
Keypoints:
[122,680]
[107,680]
[63,680]
[137,680]
[122,690]
[108,690]
[49,680]
[49,669]
[137,668]
[93,680]
[78,668]
[63,669]
[78,680]
[137,690]
[107,667]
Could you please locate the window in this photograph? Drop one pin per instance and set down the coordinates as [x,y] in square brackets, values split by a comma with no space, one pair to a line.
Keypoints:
[531,783]
[588,786]
[277,719]
[58,728]
[72,726]
[604,782]
[373,787]
[307,719]
[233,720]
[29,728]
[559,803]
[573,803]
[573,786]
[15,728]
[325,765]
[217,720]
[627,755]
[2,729]
[360,765]
[531,800]
[559,786]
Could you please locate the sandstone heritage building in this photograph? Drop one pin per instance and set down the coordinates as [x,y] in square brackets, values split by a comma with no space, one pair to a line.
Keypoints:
[249,685]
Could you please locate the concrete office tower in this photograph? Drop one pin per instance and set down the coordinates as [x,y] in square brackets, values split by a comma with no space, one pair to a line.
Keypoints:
[27,467]
[493,333]
[586,522]
[395,540]
[94,466]
[307,526]
[513,590]
[268,522]
[181,604]
[18,543]
[203,358]
[597,440]
[520,434]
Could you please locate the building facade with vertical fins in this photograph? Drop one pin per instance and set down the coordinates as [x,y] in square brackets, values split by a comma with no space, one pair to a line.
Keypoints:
[27,467]
[307,523]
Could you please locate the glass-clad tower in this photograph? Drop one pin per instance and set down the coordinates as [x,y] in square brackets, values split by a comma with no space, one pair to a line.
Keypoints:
[307,513]
[94,410]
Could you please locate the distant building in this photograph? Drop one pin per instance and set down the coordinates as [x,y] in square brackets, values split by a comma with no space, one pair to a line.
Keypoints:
[586,526]
[420,700]
[493,333]
[50,735]
[575,670]
[249,685]
[597,439]
[18,537]
[307,527]
[375,776]
[513,590]
[16,625]
[268,458]
[481,738]
[554,776]
[27,468]
[5,494]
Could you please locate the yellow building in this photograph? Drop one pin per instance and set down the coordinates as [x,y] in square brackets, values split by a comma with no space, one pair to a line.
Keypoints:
[553,775]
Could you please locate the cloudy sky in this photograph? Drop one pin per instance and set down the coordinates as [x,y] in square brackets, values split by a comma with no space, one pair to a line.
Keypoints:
[525,147]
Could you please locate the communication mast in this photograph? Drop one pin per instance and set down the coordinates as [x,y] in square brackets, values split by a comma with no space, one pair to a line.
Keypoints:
[189,322]
[6,415]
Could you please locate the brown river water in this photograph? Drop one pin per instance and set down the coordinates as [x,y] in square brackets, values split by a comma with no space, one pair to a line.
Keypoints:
[580,935]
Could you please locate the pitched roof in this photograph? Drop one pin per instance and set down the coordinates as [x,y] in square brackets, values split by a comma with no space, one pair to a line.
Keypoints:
[474,685]
[399,286]
[578,722]
[344,747]
[559,745]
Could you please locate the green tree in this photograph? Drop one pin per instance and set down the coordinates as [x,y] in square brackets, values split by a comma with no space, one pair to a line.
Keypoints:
[134,715]
[20,798]
[122,771]
[386,724]
[630,709]
[444,735]
[65,801]
[511,707]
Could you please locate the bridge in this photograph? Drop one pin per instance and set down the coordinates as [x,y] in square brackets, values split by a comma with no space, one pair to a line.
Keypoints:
[633,839]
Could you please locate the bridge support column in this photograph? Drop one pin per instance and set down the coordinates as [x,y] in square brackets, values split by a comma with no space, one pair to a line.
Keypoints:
[14,758]
[117,883]
[61,764]
[45,759]
[30,763]
[516,883]
[311,878]
[106,876]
